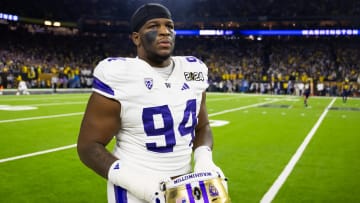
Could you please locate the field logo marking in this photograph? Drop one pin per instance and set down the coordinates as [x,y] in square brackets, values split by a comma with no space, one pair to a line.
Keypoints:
[218,123]
[274,189]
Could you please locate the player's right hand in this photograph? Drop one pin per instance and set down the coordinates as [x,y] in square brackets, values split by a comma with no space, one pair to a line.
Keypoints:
[142,186]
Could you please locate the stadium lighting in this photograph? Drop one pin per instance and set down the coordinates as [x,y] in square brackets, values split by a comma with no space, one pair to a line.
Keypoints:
[10,17]
[57,24]
[47,22]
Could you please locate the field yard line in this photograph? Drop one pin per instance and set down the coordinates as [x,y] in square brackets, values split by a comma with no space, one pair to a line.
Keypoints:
[55,104]
[41,117]
[271,193]
[243,107]
[37,153]
[21,98]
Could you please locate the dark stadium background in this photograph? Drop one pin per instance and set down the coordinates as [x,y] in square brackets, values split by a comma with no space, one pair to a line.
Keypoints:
[91,30]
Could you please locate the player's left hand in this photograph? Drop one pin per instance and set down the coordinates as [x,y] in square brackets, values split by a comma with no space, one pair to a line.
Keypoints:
[141,185]
[204,162]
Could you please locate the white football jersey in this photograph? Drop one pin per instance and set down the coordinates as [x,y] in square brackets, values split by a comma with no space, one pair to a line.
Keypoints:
[22,85]
[158,116]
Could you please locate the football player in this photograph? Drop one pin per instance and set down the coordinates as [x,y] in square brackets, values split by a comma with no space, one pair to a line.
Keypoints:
[307,91]
[154,105]
[345,87]
[22,88]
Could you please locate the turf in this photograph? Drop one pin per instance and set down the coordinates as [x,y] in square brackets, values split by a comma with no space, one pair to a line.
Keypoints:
[262,134]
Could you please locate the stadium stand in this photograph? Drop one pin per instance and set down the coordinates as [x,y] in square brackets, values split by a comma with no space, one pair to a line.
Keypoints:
[36,53]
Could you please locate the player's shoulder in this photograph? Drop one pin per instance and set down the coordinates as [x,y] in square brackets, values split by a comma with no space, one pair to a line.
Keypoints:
[191,61]
[117,61]
[117,64]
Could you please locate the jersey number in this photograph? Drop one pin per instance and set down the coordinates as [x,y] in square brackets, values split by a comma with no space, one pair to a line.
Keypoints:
[167,127]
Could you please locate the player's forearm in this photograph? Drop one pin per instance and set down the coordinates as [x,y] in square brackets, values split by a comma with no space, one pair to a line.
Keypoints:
[96,157]
[203,136]
[203,133]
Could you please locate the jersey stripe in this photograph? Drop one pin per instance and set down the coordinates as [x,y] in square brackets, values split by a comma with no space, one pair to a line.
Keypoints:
[203,191]
[190,194]
[120,195]
[98,84]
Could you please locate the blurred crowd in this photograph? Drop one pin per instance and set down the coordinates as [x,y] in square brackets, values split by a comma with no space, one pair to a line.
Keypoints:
[273,65]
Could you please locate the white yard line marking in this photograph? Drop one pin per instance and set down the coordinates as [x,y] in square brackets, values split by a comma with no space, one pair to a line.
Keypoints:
[47,98]
[271,193]
[56,104]
[243,107]
[37,153]
[41,117]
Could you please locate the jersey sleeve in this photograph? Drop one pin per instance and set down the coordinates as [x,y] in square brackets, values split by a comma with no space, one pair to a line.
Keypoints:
[205,70]
[107,75]
[196,71]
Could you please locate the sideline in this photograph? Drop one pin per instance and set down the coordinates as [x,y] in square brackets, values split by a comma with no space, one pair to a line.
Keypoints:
[274,189]
[78,113]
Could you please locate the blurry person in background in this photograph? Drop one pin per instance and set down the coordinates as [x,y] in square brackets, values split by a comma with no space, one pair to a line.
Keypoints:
[1,86]
[307,91]
[54,82]
[345,87]
[320,88]
[22,88]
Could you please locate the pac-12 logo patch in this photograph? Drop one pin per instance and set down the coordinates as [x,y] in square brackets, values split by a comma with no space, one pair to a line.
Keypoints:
[148,83]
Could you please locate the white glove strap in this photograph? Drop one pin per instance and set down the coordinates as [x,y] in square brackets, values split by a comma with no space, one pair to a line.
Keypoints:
[203,153]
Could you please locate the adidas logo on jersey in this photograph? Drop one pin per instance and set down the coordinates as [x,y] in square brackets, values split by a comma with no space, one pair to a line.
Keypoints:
[185,86]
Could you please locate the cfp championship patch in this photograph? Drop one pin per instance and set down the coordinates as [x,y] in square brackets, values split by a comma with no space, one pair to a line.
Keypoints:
[202,187]
[194,76]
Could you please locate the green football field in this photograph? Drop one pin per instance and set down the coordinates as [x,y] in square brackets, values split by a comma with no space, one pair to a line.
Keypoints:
[272,149]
